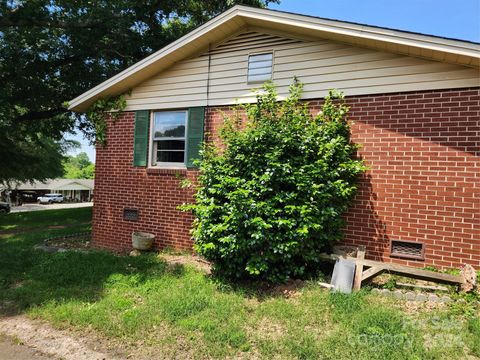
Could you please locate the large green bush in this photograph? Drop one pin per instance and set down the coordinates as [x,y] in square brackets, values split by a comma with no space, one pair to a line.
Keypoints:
[271,199]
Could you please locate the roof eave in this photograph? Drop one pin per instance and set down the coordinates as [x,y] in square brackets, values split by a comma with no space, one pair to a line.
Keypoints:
[238,16]
[359,30]
[83,101]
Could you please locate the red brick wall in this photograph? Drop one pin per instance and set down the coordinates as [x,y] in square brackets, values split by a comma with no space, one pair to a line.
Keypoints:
[155,193]
[423,184]
[424,181]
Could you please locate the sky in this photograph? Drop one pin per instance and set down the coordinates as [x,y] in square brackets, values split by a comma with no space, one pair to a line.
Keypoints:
[459,19]
[84,145]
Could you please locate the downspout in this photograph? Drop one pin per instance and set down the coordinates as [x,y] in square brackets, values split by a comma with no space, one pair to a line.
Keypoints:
[208,73]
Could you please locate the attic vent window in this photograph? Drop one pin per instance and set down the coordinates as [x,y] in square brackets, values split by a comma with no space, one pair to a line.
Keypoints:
[407,250]
[260,67]
[130,214]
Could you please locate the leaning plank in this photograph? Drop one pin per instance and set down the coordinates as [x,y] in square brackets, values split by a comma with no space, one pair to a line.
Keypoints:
[357,282]
[418,273]
[372,272]
[326,285]
[403,270]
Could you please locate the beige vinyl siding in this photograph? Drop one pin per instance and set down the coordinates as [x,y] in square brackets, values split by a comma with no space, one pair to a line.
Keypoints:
[181,86]
[320,65]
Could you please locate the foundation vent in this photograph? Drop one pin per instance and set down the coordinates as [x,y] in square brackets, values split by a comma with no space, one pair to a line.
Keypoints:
[130,214]
[407,249]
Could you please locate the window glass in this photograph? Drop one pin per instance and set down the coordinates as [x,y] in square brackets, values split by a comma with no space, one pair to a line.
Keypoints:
[170,156]
[169,124]
[169,137]
[171,145]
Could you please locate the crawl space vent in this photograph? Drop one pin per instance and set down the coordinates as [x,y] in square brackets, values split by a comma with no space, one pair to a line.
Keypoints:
[130,214]
[407,249]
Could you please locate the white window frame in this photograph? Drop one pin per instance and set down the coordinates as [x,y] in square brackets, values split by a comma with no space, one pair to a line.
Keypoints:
[271,52]
[153,144]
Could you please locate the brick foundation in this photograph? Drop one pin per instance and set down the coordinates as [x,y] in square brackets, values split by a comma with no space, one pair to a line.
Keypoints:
[423,184]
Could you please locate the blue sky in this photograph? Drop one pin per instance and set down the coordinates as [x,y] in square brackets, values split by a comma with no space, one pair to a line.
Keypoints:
[458,19]
[85,146]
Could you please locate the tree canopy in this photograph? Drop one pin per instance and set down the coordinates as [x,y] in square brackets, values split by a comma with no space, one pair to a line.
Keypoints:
[53,50]
[78,167]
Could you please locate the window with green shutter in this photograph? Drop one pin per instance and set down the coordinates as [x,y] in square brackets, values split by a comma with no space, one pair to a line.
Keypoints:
[177,137]
[169,136]
[140,149]
[196,117]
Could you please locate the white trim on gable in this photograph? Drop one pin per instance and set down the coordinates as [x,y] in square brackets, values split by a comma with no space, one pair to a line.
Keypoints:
[238,17]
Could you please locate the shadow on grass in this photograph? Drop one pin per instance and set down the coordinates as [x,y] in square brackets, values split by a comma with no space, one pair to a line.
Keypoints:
[30,277]
[263,290]
[180,308]
[34,219]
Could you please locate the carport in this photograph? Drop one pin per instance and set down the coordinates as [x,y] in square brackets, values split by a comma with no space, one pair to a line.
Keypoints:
[73,190]
[77,190]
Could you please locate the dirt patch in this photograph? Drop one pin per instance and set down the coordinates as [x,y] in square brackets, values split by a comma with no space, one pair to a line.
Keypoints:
[52,342]
[76,241]
[85,344]
[269,330]
[187,259]
[410,307]
[414,307]
[263,290]
[13,349]
[290,289]
[80,241]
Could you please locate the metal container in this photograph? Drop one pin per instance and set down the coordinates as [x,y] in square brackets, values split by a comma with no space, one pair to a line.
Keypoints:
[342,277]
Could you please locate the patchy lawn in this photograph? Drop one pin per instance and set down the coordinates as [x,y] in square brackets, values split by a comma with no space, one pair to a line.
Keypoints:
[151,309]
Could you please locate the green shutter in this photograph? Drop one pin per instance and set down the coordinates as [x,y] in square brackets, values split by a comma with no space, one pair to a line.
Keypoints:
[196,116]
[140,146]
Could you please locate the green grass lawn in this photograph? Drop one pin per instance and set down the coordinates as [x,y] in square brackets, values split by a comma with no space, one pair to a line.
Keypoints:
[34,219]
[155,309]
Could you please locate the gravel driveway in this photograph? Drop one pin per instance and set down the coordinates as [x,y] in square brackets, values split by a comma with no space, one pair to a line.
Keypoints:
[38,207]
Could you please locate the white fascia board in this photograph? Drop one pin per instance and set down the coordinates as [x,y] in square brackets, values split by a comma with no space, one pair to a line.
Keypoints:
[153,58]
[287,19]
[364,31]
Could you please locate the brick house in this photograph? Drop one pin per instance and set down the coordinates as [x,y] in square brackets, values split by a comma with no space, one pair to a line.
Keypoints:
[415,107]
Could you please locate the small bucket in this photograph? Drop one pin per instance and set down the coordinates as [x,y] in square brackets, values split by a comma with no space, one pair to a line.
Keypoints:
[142,240]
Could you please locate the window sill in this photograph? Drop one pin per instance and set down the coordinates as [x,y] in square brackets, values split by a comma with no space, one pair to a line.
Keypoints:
[166,171]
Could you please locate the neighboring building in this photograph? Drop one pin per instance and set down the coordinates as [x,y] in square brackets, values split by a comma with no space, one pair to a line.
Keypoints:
[415,107]
[75,190]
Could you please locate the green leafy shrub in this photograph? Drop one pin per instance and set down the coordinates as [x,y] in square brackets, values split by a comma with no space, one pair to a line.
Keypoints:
[271,198]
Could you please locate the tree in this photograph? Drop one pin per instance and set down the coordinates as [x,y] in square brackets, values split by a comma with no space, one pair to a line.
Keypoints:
[272,198]
[33,157]
[53,50]
[78,167]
